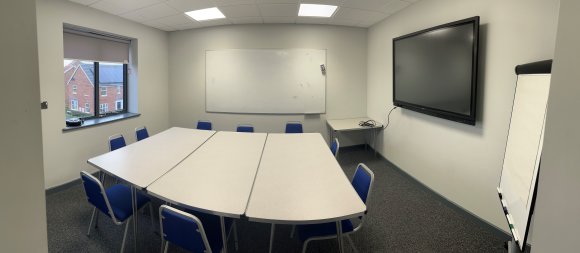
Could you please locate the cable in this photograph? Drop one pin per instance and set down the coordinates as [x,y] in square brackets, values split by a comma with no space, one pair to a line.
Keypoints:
[367,123]
[389,117]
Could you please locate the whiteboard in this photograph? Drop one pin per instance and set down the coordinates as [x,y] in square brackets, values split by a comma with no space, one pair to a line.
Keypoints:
[523,151]
[284,81]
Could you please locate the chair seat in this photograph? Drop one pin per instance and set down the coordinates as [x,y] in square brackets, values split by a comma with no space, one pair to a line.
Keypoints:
[306,232]
[120,199]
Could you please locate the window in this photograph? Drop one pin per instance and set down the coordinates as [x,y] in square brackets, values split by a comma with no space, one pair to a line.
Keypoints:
[103,108]
[95,67]
[74,104]
[119,105]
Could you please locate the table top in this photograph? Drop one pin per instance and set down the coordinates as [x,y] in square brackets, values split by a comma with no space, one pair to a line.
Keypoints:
[299,182]
[349,124]
[143,162]
[217,178]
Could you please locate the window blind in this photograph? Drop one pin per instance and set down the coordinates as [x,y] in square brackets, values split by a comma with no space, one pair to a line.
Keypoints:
[94,46]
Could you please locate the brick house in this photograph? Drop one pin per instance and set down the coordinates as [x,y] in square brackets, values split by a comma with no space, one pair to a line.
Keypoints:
[79,88]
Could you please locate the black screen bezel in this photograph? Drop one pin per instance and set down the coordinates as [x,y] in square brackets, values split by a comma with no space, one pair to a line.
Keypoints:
[458,117]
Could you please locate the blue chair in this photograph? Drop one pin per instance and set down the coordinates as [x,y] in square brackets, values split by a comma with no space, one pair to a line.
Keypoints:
[362,183]
[334,146]
[204,125]
[114,202]
[294,127]
[187,231]
[245,129]
[116,141]
[141,133]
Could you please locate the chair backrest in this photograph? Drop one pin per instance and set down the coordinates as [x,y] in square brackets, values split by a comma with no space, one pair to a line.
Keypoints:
[362,181]
[96,195]
[141,133]
[116,141]
[204,125]
[183,229]
[334,146]
[294,127]
[245,129]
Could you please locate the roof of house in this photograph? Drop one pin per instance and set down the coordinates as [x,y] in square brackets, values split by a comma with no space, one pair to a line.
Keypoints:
[108,74]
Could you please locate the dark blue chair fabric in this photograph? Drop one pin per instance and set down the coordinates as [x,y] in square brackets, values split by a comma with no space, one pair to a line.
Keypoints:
[204,125]
[142,134]
[324,229]
[334,147]
[119,198]
[294,128]
[183,232]
[245,129]
[117,143]
[362,183]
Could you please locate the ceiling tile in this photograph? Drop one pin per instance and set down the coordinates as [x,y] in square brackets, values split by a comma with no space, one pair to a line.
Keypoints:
[247,20]
[187,26]
[278,10]
[84,2]
[395,6]
[157,11]
[242,10]
[110,6]
[189,5]
[174,20]
[157,25]
[279,20]
[356,14]
[373,5]
[135,17]
[327,2]
[232,2]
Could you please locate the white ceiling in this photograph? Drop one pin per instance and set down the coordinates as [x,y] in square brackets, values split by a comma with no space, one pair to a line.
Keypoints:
[168,15]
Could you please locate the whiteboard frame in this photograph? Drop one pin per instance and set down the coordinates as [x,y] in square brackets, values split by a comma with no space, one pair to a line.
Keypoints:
[268,113]
[514,229]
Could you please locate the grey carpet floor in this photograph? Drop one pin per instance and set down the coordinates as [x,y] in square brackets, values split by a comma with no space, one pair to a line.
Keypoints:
[403,217]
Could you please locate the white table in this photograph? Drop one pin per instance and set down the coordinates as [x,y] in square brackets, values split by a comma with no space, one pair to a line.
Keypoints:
[300,182]
[143,162]
[217,178]
[352,124]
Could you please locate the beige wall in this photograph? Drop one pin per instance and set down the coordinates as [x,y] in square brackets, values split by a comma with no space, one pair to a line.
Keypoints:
[22,212]
[461,162]
[556,220]
[346,73]
[66,153]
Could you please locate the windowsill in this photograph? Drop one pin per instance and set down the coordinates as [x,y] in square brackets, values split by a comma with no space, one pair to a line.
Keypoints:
[103,120]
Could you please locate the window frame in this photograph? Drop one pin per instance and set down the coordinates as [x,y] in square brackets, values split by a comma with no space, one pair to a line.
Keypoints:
[97,93]
[74,89]
[74,108]
[103,90]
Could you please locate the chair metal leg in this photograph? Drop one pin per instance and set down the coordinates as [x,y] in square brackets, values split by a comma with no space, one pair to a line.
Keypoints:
[293,231]
[91,223]
[125,234]
[166,247]
[305,246]
[351,244]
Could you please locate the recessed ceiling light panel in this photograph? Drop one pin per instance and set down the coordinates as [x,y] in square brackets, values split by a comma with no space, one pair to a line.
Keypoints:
[206,14]
[316,10]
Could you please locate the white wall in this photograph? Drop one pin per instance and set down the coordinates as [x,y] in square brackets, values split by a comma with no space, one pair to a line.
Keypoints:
[66,153]
[461,162]
[556,219]
[346,73]
[22,212]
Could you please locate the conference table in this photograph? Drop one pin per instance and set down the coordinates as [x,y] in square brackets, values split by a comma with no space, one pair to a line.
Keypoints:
[269,178]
